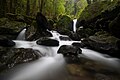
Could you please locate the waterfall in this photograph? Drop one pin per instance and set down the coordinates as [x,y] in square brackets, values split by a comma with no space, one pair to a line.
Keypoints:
[21,35]
[52,65]
[74,25]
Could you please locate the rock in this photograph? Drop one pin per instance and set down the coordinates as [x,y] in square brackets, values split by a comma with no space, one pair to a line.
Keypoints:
[20,55]
[6,42]
[99,18]
[75,36]
[65,22]
[64,32]
[10,57]
[33,33]
[78,44]
[47,42]
[42,22]
[69,51]
[84,32]
[103,42]
[10,29]
[65,38]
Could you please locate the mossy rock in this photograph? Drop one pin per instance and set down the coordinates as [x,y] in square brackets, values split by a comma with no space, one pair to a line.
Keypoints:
[65,22]
[93,10]
[13,25]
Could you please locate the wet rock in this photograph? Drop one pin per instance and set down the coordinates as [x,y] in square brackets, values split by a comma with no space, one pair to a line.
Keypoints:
[47,42]
[10,57]
[84,32]
[75,36]
[6,42]
[16,56]
[103,42]
[69,51]
[78,44]
[65,38]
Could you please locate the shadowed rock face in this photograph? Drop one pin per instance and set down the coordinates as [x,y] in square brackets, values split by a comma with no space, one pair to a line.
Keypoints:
[6,42]
[115,26]
[47,42]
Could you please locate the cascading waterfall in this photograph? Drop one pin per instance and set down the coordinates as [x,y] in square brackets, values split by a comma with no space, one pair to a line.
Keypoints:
[74,25]
[52,65]
[21,35]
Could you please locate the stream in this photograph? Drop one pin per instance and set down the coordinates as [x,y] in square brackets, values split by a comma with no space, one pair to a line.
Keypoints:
[52,66]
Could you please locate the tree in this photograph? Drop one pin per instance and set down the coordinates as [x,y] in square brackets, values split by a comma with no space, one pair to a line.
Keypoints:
[28,8]
[69,7]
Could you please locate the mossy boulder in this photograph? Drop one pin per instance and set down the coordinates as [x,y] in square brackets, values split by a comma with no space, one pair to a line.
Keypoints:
[65,22]
[10,29]
[10,57]
[93,10]
[104,42]
[98,15]
[33,33]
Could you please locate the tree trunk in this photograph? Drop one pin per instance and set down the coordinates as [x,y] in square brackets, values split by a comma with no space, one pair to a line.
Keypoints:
[28,8]
[3,8]
[41,4]
[34,8]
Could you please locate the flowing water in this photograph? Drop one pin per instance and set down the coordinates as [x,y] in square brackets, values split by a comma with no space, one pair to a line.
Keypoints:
[51,66]
[74,25]
[21,35]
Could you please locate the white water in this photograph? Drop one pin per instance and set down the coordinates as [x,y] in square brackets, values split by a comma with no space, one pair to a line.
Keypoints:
[21,35]
[52,65]
[74,25]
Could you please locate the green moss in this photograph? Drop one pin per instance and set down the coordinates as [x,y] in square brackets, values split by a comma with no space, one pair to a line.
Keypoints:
[64,22]
[16,26]
[93,10]
[106,37]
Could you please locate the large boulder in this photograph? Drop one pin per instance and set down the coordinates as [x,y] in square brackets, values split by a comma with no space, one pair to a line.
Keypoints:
[69,51]
[98,15]
[33,33]
[47,42]
[65,22]
[103,42]
[6,42]
[10,57]
[10,29]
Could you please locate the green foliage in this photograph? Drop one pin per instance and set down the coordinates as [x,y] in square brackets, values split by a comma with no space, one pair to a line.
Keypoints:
[80,7]
[64,22]
[93,10]
[20,7]
[69,7]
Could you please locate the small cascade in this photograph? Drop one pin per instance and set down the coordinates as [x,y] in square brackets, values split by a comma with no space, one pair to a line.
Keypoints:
[74,25]
[21,35]
[52,65]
